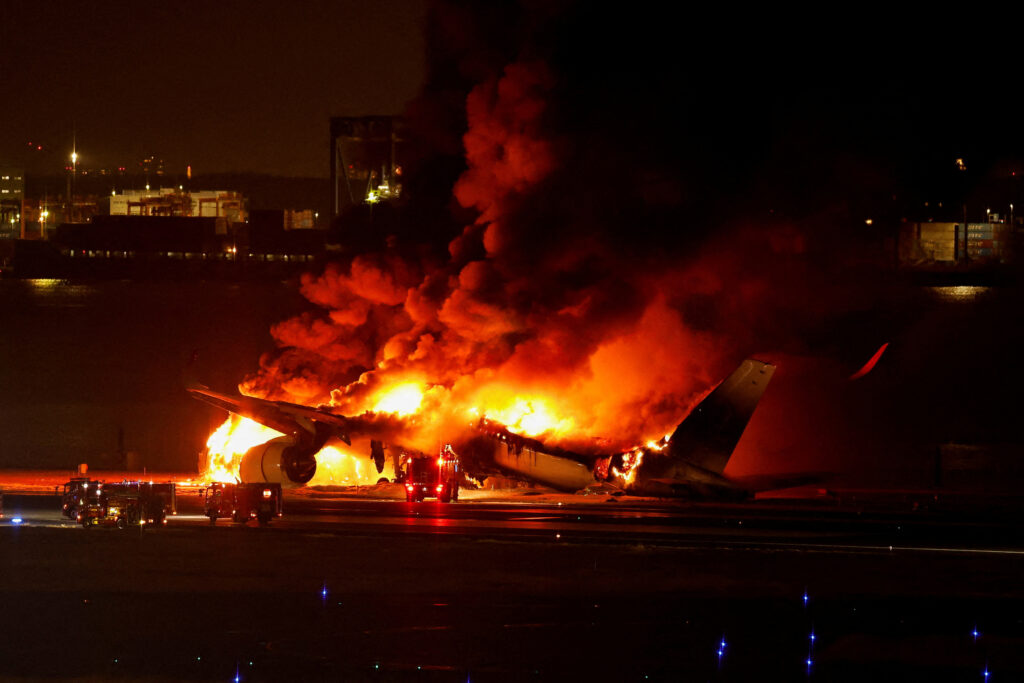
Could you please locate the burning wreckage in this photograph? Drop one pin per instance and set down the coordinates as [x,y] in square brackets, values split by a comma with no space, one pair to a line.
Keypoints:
[689,462]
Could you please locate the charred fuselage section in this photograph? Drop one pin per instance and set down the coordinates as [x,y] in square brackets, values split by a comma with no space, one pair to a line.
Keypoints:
[492,449]
[690,463]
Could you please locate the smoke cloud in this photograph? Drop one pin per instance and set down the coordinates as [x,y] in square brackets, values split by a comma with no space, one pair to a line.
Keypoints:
[595,279]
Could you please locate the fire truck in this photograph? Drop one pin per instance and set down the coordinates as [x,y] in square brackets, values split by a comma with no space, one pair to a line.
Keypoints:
[433,477]
[121,504]
[74,493]
[242,502]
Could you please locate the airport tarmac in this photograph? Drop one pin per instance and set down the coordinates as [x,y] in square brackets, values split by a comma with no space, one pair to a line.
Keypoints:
[357,588]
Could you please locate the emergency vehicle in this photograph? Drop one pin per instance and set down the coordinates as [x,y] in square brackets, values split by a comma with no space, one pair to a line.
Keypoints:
[242,502]
[433,477]
[122,504]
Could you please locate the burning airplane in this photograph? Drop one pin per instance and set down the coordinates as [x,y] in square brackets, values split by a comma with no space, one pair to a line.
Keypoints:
[575,298]
[291,439]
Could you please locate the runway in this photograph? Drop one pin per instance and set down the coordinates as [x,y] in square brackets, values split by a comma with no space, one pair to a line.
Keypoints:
[797,525]
[508,590]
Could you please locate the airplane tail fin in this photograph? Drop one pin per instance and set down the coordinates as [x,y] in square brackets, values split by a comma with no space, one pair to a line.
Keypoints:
[710,432]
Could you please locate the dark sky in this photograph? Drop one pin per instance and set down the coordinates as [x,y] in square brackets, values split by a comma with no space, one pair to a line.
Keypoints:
[223,86]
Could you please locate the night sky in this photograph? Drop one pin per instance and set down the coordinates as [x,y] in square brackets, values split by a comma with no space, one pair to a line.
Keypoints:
[223,86]
[249,86]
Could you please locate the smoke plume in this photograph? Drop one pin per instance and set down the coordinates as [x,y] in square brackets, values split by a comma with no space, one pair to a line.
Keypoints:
[597,283]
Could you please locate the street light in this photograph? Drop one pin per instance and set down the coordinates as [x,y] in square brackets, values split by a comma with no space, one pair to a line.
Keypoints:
[71,184]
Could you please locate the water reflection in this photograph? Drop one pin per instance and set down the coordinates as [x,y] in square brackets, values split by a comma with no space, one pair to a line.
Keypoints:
[959,293]
[53,292]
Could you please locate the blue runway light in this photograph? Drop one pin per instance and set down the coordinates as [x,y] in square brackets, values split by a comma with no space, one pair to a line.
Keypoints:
[984,674]
[975,633]
[16,520]
[812,636]
[323,591]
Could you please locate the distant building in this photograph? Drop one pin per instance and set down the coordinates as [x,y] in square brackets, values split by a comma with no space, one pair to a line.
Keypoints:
[12,184]
[152,166]
[12,195]
[366,158]
[226,206]
[922,244]
[295,219]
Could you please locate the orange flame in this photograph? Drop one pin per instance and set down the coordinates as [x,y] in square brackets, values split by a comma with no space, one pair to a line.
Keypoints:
[335,465]
[402,400]
[530,417]
[229,443]
[630,464]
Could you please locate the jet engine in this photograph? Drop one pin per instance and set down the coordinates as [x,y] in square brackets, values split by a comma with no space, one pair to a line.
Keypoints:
[278,461]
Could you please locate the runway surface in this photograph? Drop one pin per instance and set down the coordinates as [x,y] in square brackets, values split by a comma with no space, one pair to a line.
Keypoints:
[605,588]
[820,524]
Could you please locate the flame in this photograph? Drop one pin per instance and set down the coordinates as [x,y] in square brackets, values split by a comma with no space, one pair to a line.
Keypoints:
[531,416]
[402,399]
[630,464]
[632,460]
[229,443]
[337,467]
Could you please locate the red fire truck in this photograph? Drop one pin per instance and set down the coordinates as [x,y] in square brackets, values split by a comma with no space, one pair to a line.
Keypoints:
[433,477]
[242,502]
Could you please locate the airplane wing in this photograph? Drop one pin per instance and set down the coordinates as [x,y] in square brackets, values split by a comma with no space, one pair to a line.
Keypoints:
[287,418]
